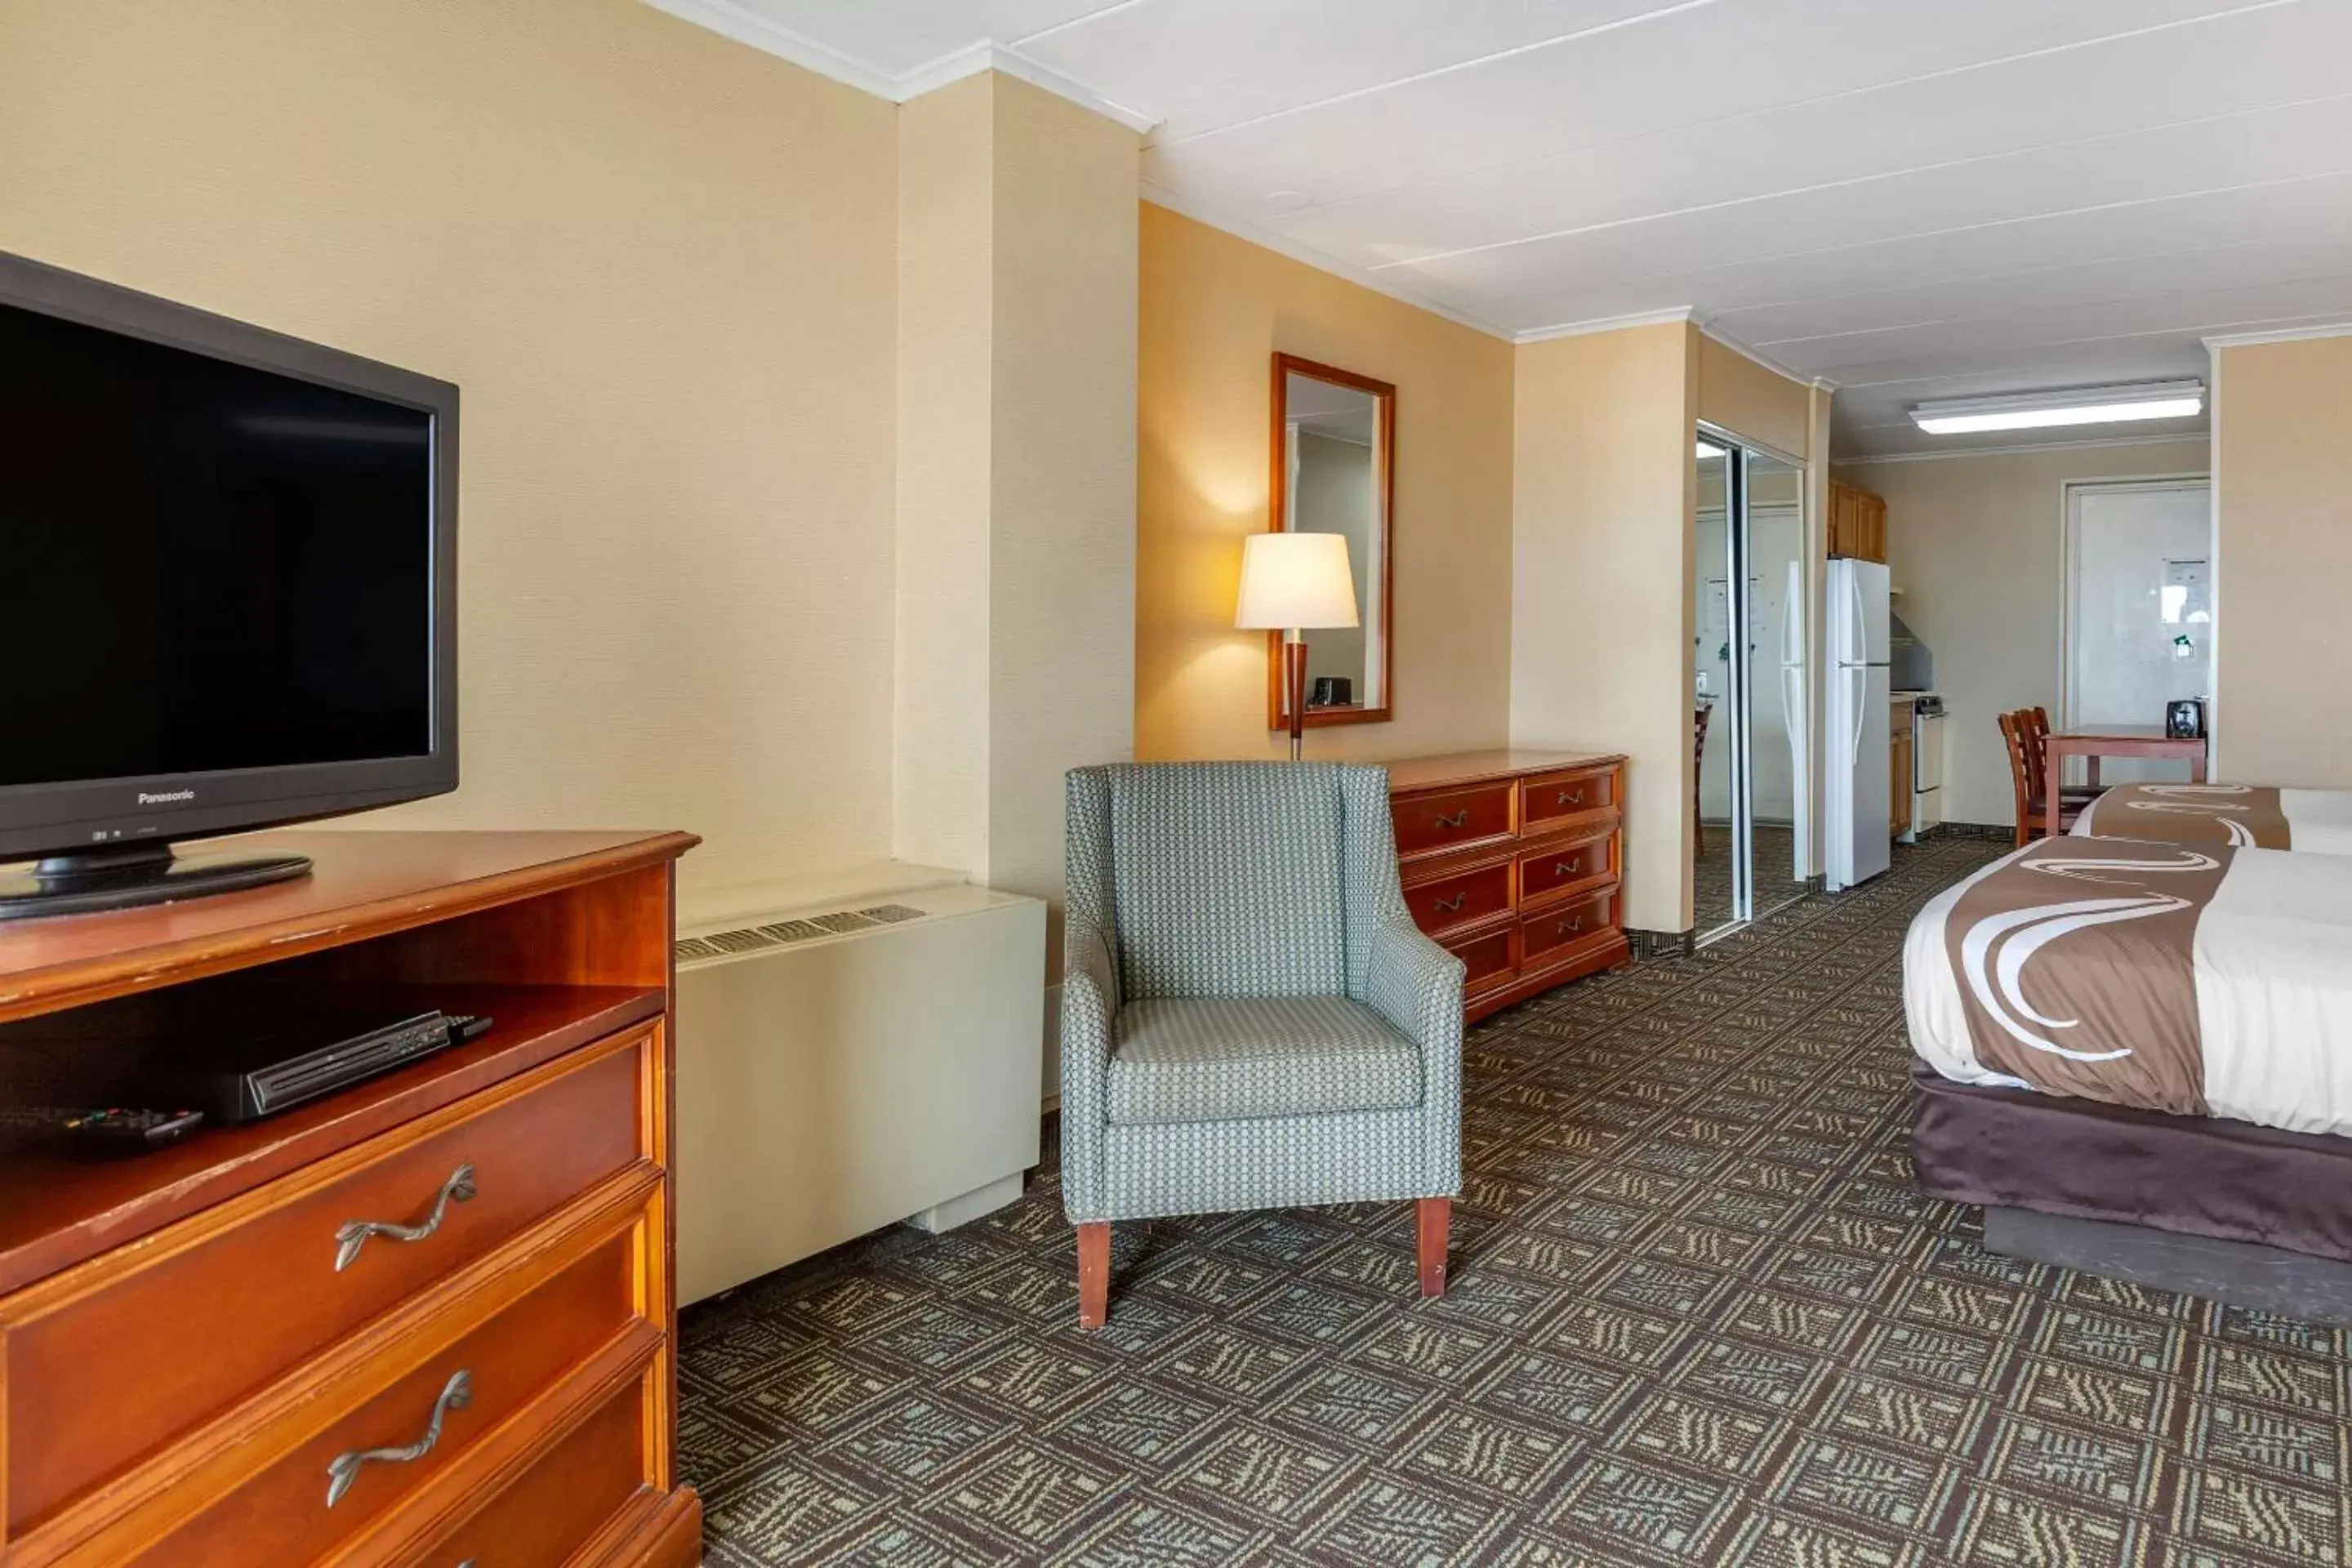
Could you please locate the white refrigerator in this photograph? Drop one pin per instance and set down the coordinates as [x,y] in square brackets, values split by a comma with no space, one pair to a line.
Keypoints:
[1859,759]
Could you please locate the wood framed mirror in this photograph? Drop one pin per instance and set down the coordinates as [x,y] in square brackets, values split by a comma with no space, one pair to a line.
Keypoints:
[1333,471]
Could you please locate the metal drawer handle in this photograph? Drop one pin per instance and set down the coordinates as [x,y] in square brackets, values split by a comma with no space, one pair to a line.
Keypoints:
[1577,924]
[1459,819]
[344,1467]
[352,1234]
[1570,798]
[1567,868]
[1445,908]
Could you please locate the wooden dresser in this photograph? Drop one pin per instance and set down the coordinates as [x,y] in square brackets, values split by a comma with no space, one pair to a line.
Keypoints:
[1511,860]
[427,1320]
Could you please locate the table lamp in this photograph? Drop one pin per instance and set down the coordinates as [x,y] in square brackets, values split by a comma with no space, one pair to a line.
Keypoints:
[1294,583]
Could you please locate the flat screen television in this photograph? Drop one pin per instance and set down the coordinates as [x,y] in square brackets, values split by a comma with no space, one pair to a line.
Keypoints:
[231,570]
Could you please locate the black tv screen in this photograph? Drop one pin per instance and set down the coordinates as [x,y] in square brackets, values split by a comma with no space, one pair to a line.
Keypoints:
[222,567]
[230,560]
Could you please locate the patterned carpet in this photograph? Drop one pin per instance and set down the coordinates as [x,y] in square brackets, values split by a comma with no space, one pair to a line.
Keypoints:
[1698,1315]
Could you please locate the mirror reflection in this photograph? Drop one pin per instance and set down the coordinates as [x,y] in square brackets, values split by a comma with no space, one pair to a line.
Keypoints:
[1334,430]
[1750,684]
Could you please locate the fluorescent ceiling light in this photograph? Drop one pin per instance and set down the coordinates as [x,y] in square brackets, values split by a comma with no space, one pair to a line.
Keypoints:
[2078,405]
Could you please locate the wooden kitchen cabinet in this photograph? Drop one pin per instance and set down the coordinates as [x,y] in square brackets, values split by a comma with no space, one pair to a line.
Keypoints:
[1857,523]
[1900,763]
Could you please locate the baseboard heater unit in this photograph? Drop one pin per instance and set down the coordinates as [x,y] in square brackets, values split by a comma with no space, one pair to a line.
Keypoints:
[845,1068]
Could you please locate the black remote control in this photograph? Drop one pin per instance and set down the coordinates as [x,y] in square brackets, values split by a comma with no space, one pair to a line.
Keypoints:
[464,1026]
[128,1130]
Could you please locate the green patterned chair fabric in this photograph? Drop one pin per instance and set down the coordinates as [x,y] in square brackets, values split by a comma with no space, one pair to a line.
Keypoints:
[1250,1018]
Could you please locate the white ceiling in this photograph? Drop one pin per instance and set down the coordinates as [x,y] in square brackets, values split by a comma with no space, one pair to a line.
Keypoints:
[1908,198]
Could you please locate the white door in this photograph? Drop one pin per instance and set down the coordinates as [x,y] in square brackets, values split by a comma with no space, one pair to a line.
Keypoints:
[2139,608]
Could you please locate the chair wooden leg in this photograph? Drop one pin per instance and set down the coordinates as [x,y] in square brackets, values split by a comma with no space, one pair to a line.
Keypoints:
[1433,1218]
[1094,1273]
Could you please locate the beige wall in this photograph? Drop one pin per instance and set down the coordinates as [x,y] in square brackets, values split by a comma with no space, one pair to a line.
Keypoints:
[1016,477]
[945,447]
[2284,643]
[1016,472]
[1062,559]
[659,266]
[1601,616]
[1214,311]
[1976,546]
[1737,395]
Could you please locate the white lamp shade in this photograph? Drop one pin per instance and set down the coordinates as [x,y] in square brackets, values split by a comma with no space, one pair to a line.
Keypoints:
[1296,580]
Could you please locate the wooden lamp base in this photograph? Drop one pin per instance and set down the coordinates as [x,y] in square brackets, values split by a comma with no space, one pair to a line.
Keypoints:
[1294,679]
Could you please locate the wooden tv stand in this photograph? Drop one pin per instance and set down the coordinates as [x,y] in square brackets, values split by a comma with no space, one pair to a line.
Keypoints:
[224,1352]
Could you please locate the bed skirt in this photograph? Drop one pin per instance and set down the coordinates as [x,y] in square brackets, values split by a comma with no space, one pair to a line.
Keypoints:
[2191,1175]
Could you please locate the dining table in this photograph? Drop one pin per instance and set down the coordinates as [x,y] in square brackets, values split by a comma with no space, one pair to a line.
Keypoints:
[2092,746]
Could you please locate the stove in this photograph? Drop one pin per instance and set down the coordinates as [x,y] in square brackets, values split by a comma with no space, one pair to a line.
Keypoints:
[1926,762]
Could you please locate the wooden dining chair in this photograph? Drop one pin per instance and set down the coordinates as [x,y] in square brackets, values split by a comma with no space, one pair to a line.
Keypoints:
[2020,773]
[2026,774]
[2036,722]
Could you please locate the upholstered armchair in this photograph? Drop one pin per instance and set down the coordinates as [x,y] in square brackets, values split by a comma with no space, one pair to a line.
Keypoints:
[1250,1018]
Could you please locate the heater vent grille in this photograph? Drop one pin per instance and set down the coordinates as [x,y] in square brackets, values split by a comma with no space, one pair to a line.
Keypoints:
[785,934]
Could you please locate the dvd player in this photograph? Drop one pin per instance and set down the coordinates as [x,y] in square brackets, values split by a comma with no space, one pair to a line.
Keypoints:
[237,1053]
[244,1073]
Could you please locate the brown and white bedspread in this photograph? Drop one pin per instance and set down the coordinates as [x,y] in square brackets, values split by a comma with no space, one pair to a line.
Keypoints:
[2195,980]
[2266,817]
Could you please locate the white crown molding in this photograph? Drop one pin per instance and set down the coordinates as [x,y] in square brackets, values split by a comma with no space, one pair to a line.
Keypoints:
[2181,438]
[985,56]
[1661,317]
[733,20]
[2284,335]
[1605,325]
[1014,63]
[1756,356]
[745,25]
[1240,228]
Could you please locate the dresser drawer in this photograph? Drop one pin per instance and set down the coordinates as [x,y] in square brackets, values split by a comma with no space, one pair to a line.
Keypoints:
[1487,958]
[1553,797]
[1551,934]
[123,1358]
[1431,822]
[1567,868]
[1459,899]
[549,1511]
[323,1491]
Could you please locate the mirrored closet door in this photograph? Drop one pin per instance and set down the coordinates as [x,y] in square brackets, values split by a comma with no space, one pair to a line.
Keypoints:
[1749,683]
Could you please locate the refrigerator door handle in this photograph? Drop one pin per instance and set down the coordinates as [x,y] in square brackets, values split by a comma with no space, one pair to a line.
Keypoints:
[1861,679]
[1793,617]
[1792,697]
[1858,638]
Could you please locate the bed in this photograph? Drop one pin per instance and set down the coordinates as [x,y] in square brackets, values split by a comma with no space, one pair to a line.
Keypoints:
[2145,1041]
[2264,816]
